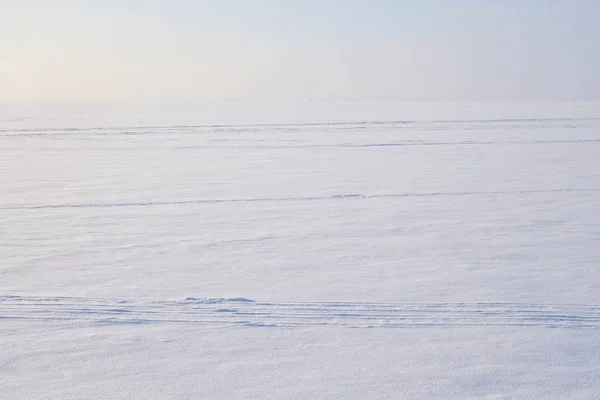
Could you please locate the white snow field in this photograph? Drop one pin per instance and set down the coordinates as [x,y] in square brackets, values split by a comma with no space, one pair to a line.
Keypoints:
[300,251]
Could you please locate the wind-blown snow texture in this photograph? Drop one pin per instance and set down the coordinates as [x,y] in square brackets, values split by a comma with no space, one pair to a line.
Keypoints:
[318,250]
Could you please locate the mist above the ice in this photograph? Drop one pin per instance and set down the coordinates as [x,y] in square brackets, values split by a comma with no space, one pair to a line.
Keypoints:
[332,50]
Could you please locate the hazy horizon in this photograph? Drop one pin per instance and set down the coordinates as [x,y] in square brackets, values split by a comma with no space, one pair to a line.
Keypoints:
[322,51]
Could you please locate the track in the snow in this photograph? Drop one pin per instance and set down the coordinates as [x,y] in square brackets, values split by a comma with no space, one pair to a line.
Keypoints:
[245,312]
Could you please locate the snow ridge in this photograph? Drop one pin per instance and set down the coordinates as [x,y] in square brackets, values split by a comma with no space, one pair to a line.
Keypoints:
[342,196]
[247,312]
[345,125]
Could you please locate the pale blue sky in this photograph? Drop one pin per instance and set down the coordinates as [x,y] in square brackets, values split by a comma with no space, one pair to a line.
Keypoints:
[299,50]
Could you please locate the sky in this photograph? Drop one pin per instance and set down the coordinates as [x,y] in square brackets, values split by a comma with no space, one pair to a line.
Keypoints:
[299,50]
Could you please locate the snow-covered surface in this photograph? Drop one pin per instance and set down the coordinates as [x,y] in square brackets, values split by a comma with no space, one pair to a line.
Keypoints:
[316,250]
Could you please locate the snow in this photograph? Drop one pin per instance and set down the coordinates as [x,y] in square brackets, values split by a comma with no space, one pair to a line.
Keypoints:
[285,250]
